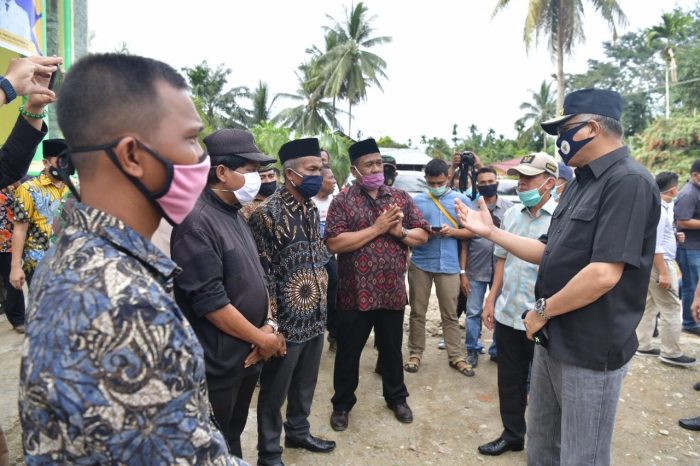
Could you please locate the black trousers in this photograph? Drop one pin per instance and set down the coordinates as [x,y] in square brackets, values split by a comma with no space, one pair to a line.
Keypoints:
[353,330]
[332,295]
[14,300]
[515,354]
[230,406]
[292,378]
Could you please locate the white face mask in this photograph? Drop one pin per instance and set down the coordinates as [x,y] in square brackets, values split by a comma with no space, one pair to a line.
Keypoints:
[250,189]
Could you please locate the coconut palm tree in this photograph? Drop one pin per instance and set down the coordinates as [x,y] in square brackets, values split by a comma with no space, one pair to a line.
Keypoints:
[541,107]
[313,115]
[562,22]
[219,107]
[261,105]
[673,28]
[348,67]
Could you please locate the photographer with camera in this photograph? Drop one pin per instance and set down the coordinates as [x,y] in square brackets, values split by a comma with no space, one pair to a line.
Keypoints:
[464,167]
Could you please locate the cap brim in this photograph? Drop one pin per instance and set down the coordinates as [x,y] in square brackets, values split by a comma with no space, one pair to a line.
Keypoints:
[527,170]
[257,157]
[551,126]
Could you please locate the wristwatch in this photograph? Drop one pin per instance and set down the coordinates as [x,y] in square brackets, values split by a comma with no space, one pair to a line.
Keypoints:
[404,232]
[541,307]
[8,89]
[462,272]
[272,323]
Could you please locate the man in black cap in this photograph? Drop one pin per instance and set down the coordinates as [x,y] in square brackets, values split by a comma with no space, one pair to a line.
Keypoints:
[389,164]
[222,289]
[38,202]
[287,232]
[595,262]
[371,226]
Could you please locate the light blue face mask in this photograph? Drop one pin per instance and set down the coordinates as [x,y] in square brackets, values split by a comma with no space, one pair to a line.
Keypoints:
[555,194]
[437,192]
[531,197]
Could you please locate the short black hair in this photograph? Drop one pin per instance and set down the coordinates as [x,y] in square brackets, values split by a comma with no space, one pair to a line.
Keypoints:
[695,167]
[486,170]
[270,169]
[231,162]
[666,181]
[105,95]
[436,167]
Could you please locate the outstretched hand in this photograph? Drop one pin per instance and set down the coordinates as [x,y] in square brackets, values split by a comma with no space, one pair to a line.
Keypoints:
[476,221]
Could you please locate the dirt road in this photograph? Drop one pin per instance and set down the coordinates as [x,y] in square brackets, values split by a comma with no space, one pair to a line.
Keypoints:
[453,414]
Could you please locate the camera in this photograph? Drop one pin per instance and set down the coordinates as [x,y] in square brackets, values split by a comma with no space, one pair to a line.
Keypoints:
[467,172]
[467,159]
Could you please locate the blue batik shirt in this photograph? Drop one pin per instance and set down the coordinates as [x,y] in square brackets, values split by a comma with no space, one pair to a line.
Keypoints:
[440,254]
[112,372]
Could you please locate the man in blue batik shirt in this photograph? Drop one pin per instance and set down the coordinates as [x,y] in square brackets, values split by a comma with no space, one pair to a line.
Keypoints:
[437,261]
[112,373]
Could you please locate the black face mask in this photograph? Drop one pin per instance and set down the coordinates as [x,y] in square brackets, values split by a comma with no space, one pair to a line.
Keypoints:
[268,189]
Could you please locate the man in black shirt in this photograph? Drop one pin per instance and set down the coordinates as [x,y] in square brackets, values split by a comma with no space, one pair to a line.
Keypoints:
[595,263]
[686,212]
[222,289]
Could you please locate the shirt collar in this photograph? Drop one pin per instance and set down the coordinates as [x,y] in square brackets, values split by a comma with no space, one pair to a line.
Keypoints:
[601,165]
[383,191]
[211,198]
[291,202]
[547,207]
[122,237]
[44,180]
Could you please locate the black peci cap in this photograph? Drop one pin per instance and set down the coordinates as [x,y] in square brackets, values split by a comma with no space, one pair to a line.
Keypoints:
[299,148]
[360,148]
[53,147]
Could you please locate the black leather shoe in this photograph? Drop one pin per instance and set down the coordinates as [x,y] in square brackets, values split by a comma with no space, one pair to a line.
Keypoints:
[693,331]
[311,443]
[279,463]
[499,446]
[690,424]
[697,386]
[402,412]
[339,420]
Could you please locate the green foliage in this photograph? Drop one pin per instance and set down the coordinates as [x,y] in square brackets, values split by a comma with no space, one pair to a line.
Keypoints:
[669,144]
[269,138]
[261,105]
[218,107]
[541,108]
[337,146]
[438,148]
[386,141]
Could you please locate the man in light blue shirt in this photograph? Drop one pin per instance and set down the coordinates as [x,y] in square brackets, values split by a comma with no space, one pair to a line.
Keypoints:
[437,261]
[513,292]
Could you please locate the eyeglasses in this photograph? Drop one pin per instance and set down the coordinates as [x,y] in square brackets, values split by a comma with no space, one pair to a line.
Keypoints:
[567,127]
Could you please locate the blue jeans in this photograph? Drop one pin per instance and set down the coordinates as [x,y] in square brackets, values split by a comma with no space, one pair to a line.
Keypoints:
[689,263]
[475,305]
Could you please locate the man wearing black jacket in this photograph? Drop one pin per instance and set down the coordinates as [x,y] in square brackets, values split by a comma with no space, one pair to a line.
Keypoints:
[222,289]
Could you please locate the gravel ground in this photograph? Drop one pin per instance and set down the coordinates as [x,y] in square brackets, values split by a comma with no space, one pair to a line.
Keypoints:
[453,414]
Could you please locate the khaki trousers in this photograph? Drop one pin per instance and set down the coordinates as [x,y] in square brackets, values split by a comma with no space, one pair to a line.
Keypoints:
[667,303]
[447,289]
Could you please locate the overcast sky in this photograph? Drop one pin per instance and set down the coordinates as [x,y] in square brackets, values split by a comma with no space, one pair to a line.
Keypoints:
[449,61]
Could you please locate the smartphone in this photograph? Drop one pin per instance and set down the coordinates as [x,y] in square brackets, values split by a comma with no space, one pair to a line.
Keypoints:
[541,337]
[436,228]
[55,80]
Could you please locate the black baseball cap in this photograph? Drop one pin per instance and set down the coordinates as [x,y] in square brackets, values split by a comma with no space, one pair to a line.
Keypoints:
[595,101]
[235,142]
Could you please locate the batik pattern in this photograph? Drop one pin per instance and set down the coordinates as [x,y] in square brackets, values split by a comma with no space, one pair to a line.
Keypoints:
[112,372]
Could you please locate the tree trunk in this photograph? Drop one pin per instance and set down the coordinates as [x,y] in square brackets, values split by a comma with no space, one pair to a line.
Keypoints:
[560,71]
[668,92]
[350,118]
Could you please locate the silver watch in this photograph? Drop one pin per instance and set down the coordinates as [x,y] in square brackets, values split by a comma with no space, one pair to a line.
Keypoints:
[272,323]
[541,307]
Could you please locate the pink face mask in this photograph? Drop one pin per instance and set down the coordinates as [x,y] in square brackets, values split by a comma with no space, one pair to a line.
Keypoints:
[186,184]
[373,181]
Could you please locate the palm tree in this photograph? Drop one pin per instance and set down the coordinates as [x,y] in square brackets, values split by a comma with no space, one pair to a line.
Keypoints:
[348,67]
[261,107]
[562,22]
[219,108]
[672,29]
[313,115]
[541,107]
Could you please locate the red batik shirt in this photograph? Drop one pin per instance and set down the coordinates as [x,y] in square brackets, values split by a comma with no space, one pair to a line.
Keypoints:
[372,277]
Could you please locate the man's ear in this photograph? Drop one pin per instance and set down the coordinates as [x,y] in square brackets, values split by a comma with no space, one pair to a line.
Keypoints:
[130,156]
[220,173]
